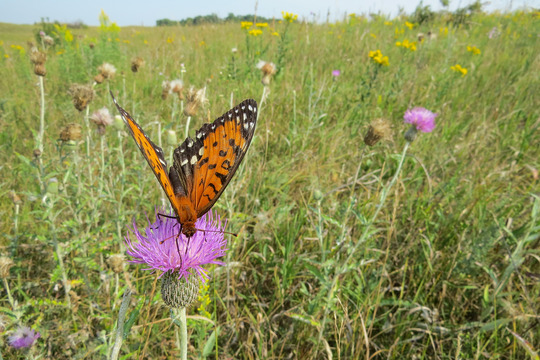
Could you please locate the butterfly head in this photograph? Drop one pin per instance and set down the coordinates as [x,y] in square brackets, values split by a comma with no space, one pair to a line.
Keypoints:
[188,229]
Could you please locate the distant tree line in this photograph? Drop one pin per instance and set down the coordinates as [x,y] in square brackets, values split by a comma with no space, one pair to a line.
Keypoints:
[210,19]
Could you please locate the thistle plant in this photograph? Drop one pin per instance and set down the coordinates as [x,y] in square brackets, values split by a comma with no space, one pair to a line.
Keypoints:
[421,120]
[182,261]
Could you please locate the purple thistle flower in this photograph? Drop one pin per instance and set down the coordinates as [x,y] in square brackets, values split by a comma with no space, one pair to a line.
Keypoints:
[336,73]
[23,337]
[205,246]
[421,118]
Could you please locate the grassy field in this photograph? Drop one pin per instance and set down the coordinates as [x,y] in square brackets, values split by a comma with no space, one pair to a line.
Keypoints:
[342,253]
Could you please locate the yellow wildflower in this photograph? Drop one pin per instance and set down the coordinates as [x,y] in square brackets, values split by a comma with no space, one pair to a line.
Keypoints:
[399,31]
[6,56]
[458,68]
[261,25]
[443,31]
[246,24]
[388,23]
[409,25]
[290,17]
[411,45]
[126,41]
[275,33]
[145,42]
[373,35]
[474,50]
[255,32]
[202,43]
[378,57]
[170,40]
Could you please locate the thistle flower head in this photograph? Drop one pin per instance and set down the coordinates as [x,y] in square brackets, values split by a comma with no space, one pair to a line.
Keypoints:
[37,57]
[378,129]
[71,132]
[177,87]
[160,247]
[102,118]
[194,99]
[107,70]
[136,63]
[116,262]
[23,337]
[268,70]
[165,89]
[48,40]
[421,119]
[336,73]
[81,95]
[5,265]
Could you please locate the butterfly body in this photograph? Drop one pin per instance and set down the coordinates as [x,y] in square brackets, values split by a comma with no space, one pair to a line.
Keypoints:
[202,167]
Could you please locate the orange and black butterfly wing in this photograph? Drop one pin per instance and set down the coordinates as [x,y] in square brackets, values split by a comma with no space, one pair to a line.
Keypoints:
[206,164]
[151,152]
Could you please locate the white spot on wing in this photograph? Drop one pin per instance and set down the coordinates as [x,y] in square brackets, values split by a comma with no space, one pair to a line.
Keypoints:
[184,162]
[245,116]
[251,124]
[201,151]
[199,135]
[243,107]
[250,108]
[246,125]
[190,143]
[193,160]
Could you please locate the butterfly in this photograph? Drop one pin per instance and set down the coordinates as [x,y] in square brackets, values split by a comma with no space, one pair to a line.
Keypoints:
[202,167]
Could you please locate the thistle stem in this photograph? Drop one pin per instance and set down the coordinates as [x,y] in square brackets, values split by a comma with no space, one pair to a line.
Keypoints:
[10,298]
[41,115]
[187,126]
[15,240]
[183,333]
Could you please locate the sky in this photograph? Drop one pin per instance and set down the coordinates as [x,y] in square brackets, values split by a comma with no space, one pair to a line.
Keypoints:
[146,12]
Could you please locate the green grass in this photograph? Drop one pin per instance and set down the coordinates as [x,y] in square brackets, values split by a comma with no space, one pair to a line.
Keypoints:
[449,269]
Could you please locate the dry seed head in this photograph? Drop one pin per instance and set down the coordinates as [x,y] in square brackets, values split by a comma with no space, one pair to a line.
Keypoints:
[268,69]
[177,86]
[99,78]
[378,129]
[71,132]
[49,41]
[107,70]
[36,153]
[81,95]
[37,57]
[136,63]
[102,118]
[166,89]
[91,45]
[194,99]
[14,197]
[39,69]
[116,262]
[5,265]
